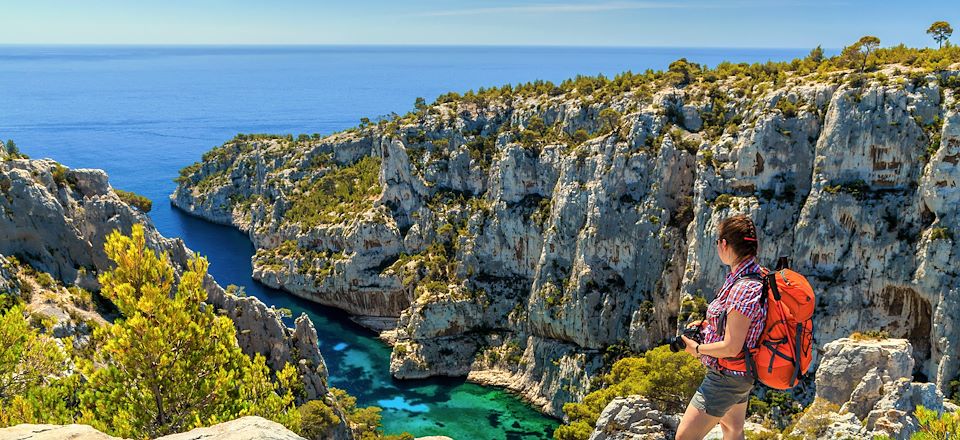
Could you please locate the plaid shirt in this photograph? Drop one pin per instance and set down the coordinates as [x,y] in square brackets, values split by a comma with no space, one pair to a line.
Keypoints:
[743,296]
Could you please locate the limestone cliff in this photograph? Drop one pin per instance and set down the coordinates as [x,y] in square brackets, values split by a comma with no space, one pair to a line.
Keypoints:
[517,235]
[56,220]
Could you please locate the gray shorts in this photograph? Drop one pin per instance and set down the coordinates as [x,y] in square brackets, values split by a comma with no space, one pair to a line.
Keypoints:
[718,392]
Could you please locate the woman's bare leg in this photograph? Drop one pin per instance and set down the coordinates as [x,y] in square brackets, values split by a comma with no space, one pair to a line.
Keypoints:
[732,422]
[695,424]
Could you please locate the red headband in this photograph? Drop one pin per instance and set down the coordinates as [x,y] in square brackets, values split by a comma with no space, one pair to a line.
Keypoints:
[749,239]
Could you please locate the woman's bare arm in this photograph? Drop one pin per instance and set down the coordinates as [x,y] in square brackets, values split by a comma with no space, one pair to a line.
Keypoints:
[735,332]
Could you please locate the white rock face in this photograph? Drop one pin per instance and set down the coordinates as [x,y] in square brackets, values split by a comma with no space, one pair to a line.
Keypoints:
[633,418]
[477,239]
[871,384]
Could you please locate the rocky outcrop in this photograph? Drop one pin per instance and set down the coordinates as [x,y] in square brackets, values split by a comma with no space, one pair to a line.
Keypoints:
[866,388]
[570,222]
[634,418]
[56,220]
[244,428]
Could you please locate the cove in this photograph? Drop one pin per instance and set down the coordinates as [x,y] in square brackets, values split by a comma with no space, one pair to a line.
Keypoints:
[358,362]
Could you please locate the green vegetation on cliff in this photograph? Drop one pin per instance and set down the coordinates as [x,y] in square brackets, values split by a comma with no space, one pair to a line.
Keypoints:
[861,55]
[667,379]
[136,200]
[338,193]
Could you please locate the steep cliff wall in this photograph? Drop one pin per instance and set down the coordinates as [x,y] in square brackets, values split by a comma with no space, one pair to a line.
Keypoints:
[517,235]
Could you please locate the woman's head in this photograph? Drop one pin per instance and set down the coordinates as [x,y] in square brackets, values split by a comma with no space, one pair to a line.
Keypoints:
[736,239]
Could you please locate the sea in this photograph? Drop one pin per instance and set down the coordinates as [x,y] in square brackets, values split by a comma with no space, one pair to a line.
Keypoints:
[143,112]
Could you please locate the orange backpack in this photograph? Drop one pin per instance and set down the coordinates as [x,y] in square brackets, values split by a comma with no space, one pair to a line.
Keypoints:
[785,348]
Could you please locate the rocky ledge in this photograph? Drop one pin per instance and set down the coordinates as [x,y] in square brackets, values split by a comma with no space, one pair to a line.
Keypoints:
[244,428]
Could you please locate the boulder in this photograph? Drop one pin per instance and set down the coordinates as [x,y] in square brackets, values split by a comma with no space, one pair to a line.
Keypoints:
[866,388]
[633,418]
[244,428]
[53,432]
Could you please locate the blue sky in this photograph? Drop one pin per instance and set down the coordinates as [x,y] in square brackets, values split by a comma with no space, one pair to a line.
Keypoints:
[686,23]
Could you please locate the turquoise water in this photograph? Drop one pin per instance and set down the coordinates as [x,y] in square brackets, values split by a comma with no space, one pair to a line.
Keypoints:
[142,113]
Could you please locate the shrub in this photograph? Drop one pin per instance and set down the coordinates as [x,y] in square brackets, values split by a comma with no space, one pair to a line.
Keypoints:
[316,419]
[365,422]
[59,173]
[815,420]
[609,120]
[81,297]
[481,150]
[762,435]
[692,307]
[934,426]
[789,109]
[939,233]
[580,136]
[667,379]
[722,201]
[28,358]
[45,280]
[12,149]
[870,335]
[186,172]
[136,200]
[785,402]
[857,188]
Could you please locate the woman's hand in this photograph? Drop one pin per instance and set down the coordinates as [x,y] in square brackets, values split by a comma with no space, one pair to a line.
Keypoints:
[697,323]
[691,346]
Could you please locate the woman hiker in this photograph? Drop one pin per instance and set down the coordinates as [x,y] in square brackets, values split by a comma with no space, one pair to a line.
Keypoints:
[735,316]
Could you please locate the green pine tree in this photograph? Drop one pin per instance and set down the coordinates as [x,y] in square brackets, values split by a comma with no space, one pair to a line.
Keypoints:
[170,364]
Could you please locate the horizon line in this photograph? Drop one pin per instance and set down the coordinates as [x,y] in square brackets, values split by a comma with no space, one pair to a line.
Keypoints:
[401,45]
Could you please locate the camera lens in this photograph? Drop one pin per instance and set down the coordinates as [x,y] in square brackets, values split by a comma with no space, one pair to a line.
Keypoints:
[677,344]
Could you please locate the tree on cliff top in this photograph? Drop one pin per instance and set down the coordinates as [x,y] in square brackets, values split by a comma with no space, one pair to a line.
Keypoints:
[940,31]
[866,45]
[170,363]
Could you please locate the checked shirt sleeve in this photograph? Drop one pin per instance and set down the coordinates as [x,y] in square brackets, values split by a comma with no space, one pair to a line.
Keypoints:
[744,297]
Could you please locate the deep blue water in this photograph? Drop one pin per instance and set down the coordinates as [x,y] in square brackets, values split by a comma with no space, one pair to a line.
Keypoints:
[142,113]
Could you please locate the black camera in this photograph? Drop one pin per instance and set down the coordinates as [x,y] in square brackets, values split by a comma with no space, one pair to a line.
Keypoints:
[677,344]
